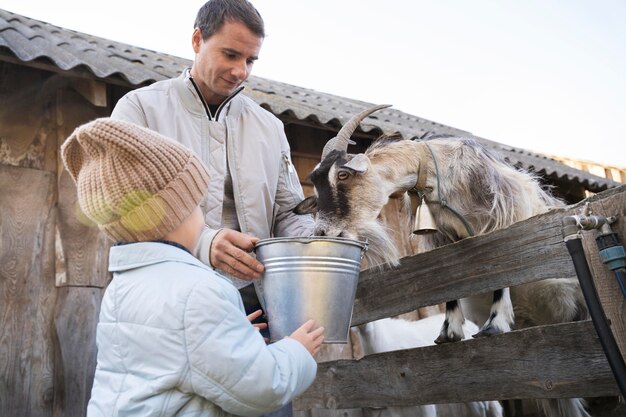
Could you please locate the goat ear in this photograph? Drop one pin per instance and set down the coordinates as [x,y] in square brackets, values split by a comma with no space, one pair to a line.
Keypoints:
[306,206]
[360,163]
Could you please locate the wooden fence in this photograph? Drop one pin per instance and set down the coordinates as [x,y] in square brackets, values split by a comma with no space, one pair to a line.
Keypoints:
[556,361]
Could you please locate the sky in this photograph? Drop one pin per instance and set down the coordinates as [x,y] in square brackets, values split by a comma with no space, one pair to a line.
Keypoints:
[544,75]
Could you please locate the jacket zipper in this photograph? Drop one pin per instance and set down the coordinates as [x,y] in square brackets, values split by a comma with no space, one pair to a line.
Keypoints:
[243,227]
[207,110]
[206,106]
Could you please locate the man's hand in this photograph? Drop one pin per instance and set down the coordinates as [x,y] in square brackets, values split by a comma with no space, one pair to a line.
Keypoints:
[230,252]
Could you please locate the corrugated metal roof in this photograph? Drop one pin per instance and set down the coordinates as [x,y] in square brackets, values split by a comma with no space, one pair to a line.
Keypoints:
[34,41]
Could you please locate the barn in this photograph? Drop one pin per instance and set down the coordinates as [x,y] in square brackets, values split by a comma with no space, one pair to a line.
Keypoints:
[53,262]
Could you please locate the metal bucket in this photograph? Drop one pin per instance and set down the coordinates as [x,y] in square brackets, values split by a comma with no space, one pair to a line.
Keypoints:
[310,278]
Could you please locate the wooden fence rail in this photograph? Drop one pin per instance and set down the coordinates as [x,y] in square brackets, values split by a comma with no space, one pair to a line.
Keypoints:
[557,361]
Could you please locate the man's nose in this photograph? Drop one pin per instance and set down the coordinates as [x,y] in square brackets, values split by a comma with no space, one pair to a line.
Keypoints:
[240,70]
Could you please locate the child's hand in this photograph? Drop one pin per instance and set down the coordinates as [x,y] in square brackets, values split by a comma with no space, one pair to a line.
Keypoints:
[259,326]
[311,338]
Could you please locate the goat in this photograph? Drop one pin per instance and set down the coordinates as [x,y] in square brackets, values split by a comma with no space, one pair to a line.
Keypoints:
[394,334]
[469,191]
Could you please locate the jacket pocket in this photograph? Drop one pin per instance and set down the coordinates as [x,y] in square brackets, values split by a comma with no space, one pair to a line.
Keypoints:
[290,175]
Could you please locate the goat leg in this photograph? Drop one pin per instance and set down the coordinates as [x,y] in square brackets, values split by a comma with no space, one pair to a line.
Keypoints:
[501,317]
[452,328]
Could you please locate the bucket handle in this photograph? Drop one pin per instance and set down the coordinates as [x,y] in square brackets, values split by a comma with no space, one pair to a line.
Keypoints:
[364,248]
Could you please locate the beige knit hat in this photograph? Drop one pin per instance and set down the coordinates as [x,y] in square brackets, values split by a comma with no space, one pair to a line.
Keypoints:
[135,184]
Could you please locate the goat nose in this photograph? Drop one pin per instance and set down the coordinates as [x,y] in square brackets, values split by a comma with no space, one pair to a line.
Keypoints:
[319,232]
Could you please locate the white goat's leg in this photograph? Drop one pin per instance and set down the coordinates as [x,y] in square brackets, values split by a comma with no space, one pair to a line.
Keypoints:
[452,328]
[420,411]
[470,409]
[564,407]
[501,317]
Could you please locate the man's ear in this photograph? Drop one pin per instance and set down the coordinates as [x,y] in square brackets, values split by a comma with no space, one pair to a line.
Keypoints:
[196,40]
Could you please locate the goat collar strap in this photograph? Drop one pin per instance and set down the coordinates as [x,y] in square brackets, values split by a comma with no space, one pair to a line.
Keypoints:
[421,189]
[420,186]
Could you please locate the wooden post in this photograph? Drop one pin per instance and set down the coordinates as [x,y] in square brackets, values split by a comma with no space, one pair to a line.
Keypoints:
[609,293]
[26,291]
[81,275]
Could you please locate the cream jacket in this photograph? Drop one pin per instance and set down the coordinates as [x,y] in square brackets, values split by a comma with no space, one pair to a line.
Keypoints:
[243,137]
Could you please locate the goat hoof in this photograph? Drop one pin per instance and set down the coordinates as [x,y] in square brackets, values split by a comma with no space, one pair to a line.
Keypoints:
[441,340]
[447,339]
[488,331]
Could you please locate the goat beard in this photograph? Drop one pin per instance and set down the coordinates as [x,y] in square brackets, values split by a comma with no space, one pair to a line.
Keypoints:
[381,250]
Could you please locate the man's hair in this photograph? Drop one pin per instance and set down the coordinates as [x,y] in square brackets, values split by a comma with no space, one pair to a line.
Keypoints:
[212,16]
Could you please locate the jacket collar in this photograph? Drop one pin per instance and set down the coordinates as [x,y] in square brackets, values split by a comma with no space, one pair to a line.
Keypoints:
[193,103]
[135,255]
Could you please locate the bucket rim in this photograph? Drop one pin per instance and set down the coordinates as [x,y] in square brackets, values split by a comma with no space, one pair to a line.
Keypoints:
[311,239]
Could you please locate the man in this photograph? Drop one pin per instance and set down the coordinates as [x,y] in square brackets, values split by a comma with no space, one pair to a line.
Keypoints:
[253,184]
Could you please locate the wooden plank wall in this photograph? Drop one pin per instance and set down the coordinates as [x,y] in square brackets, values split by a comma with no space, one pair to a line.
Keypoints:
[27,222]
[52,264]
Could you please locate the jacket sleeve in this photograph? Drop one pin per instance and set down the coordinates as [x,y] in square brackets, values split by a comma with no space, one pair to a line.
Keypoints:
[288,194]
[203,247]
[129,110]
[230,364]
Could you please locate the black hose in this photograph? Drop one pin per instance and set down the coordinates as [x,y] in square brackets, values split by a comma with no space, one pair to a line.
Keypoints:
[611,350]
[620,275]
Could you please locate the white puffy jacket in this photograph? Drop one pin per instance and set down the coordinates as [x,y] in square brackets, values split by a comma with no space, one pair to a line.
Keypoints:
[173,339]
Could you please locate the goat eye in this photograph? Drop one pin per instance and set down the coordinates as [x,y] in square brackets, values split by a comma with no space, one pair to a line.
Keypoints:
[342,175]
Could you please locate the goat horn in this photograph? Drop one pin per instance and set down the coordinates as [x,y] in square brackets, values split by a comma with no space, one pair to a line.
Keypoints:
[342,140]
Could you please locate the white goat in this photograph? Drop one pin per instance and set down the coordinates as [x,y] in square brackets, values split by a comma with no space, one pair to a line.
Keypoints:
[394,334]
[468,189]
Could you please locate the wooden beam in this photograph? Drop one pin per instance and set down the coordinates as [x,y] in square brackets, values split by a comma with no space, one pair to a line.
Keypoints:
[77,72]
[93,91]
[557,361]
[608,290]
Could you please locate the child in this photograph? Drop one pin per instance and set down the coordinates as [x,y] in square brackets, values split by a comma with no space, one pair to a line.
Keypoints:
[173,338]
